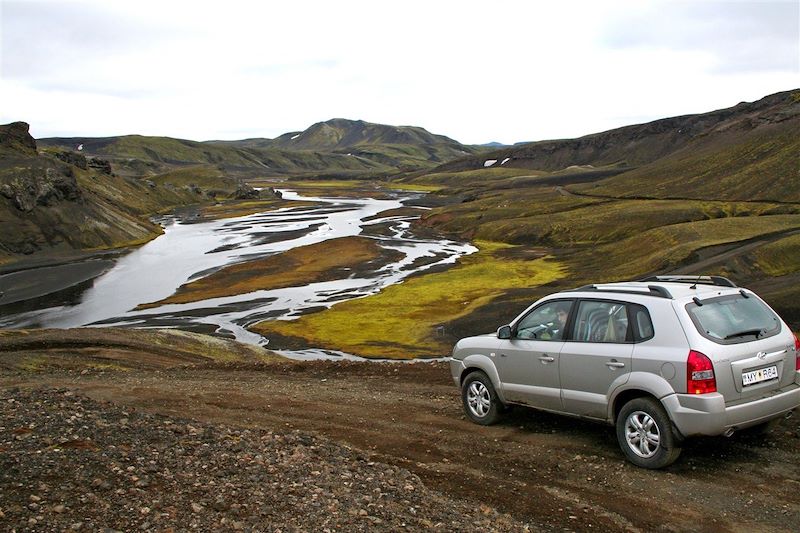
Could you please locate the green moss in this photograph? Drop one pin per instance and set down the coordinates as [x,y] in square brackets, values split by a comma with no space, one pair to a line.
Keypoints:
[779,258]
[415,187]
[401,321]
[755,166]
[32,363]
[666,248]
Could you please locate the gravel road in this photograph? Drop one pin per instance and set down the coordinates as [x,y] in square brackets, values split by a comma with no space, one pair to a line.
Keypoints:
[351,446]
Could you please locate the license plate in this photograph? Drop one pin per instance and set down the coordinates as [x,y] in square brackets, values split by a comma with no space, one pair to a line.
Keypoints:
[757,376]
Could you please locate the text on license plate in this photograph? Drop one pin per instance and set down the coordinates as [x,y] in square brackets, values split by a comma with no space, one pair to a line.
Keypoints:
[757,376]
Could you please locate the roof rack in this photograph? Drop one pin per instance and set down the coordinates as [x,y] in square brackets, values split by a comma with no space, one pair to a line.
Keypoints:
[650,290]
[694,280]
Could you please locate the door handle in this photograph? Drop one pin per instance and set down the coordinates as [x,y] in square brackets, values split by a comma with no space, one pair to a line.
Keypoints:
[546,359]
[615,364]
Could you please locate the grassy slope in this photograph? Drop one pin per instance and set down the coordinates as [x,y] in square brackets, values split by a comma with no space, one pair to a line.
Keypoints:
[779,258]
[265,158]
[759,166]
[667,248]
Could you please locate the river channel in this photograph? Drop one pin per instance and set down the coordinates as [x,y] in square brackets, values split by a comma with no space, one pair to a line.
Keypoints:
[187,251]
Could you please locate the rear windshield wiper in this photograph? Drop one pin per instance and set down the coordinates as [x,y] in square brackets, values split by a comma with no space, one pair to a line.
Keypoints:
[756,332]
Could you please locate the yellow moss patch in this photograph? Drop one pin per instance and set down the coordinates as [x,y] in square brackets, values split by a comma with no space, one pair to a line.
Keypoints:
[234,209]
[780,257]
[414,187]
[665,248]
[323,261]
[401,321]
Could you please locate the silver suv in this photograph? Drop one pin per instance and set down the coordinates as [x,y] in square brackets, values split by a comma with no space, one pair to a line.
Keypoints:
[662,359]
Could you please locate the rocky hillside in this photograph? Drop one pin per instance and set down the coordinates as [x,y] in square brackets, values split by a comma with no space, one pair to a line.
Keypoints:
[59,200]
[754,146]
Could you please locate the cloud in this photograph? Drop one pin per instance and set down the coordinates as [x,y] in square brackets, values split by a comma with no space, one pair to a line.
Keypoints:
[737,36]
[513,71]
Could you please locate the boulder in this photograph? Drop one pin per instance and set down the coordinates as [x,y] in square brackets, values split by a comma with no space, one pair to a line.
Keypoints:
[101,165]
[73,158]
[16,137]
[245,192]
[41,187]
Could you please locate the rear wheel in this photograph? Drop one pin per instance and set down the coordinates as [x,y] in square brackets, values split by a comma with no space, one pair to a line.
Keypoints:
[480,400]
[644,432]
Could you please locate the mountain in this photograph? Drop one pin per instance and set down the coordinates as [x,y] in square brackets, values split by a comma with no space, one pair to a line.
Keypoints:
[336,147]
[493,145]
[389,147]
[751,150]
[340,134]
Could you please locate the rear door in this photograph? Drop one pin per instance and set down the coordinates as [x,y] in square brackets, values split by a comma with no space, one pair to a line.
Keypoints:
[751,349]
[598,354]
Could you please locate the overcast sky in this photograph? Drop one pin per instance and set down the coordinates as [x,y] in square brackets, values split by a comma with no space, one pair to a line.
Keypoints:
[497,70]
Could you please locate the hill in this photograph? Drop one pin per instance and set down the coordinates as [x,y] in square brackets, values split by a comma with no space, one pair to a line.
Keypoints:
[634,147]
[337,147]
[137,155]
[389,147]
[60,201]
[713,193]
[340,133]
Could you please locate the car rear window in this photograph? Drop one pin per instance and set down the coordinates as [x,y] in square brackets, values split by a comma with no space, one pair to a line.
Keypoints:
[733,319]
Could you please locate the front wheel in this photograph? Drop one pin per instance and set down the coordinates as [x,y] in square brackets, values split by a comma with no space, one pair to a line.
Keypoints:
[644,432]
[480,400]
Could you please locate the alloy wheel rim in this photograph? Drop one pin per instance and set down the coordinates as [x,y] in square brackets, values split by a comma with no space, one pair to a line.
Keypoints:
[642,434]
[478,399]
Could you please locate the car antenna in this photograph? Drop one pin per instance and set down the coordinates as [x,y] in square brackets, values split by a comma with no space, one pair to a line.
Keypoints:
[694,285]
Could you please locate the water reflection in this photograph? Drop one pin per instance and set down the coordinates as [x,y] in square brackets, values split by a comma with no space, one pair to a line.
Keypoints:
[187,251]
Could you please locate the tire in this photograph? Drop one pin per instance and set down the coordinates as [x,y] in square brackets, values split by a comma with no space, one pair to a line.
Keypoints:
[480,400]
[644,432]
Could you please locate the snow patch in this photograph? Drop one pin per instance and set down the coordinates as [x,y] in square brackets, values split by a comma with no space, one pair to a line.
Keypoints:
[506,160]
[489,162]
[295,137]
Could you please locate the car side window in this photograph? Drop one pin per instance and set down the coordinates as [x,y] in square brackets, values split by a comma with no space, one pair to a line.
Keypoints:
[643,325]
[603,321]
[546,323]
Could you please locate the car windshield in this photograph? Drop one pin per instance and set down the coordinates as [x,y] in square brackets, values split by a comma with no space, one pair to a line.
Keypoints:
[733,318]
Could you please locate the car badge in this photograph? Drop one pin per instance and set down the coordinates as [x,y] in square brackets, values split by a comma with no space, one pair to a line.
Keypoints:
[761,355]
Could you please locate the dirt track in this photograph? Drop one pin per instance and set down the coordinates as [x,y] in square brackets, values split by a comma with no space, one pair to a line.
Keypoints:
[549,470]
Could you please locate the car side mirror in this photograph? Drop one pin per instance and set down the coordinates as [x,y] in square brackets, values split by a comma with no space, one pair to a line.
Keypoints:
[504,332]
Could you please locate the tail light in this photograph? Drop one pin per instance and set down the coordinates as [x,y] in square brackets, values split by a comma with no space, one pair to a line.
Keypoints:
[796,352]
[699,374]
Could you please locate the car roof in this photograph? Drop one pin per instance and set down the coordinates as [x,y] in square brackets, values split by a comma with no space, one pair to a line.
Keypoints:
[668,287]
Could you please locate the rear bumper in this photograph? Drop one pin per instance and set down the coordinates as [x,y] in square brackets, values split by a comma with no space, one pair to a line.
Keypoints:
[707,414]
